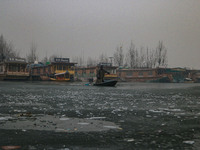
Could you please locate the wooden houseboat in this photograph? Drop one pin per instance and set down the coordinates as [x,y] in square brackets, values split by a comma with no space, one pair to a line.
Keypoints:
[14,69]
[61,69]
[39,71]
[172,75]
[143,75]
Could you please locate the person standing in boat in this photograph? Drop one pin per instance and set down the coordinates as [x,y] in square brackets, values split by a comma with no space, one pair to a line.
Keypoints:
[100,74]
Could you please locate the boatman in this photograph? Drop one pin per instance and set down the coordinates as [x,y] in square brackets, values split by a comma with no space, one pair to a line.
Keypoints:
[100,74]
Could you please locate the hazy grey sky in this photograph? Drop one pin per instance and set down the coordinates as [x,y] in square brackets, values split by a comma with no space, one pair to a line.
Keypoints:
[91,27]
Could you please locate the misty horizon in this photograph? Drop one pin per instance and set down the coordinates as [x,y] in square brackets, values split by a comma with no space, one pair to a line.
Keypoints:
[91,28]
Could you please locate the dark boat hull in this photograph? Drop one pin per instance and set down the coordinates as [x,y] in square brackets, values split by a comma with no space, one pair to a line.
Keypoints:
[107,83]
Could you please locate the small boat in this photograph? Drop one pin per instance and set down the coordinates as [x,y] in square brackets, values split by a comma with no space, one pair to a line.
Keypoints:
[107,83]
[61,77]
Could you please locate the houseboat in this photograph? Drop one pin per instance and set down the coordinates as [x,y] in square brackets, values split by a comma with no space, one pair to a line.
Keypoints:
[39,71]
[162,75]
[61,69]
[14,69]
[143,75]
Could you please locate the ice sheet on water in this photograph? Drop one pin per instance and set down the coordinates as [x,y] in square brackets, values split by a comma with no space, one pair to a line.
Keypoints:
[57,124]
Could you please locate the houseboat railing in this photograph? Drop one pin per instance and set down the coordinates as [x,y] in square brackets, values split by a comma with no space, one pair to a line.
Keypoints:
[17,73]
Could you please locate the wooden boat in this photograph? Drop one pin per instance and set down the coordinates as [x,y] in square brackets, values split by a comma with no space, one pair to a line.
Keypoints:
[61,77]
[107,83]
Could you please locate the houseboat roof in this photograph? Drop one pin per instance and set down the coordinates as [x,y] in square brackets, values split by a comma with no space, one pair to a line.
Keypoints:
[15,60]
[139,69]
[65,63]
[94,67]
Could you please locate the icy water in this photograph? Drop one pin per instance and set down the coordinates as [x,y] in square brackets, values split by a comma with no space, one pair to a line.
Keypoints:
[72,116]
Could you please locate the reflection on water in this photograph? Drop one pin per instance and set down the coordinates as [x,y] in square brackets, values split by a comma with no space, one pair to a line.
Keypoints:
[131,116]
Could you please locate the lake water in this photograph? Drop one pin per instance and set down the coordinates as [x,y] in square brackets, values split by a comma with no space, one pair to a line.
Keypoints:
[73,116]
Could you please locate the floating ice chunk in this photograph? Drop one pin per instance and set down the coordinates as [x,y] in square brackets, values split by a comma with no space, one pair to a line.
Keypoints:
[17,110]
[83,123]
[60,130]
[97,118]
[63,119]
[155,111]
[111,127]
[130,140]
[148,116]
[188,142]
[5,118]
[175,110]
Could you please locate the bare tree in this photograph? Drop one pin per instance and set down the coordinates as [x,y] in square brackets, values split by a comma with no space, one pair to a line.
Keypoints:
[148,58]
[142,60]
[151,59]
[119,56]
[79,60]
[131,56]
[103,58]
[137,60]
[161,55]
[32,56]
[7,49]
[91,62]
[51,58]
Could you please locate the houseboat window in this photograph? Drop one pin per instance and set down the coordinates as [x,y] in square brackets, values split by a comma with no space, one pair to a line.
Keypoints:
[19,67]
[67,75]
[38,70]
[23,69]
[91,71]
[111,71]
[13,68]
[1,68]
[84,73]
[130,73]
[64,68]
[59,67]
[140,73]
[150,73]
